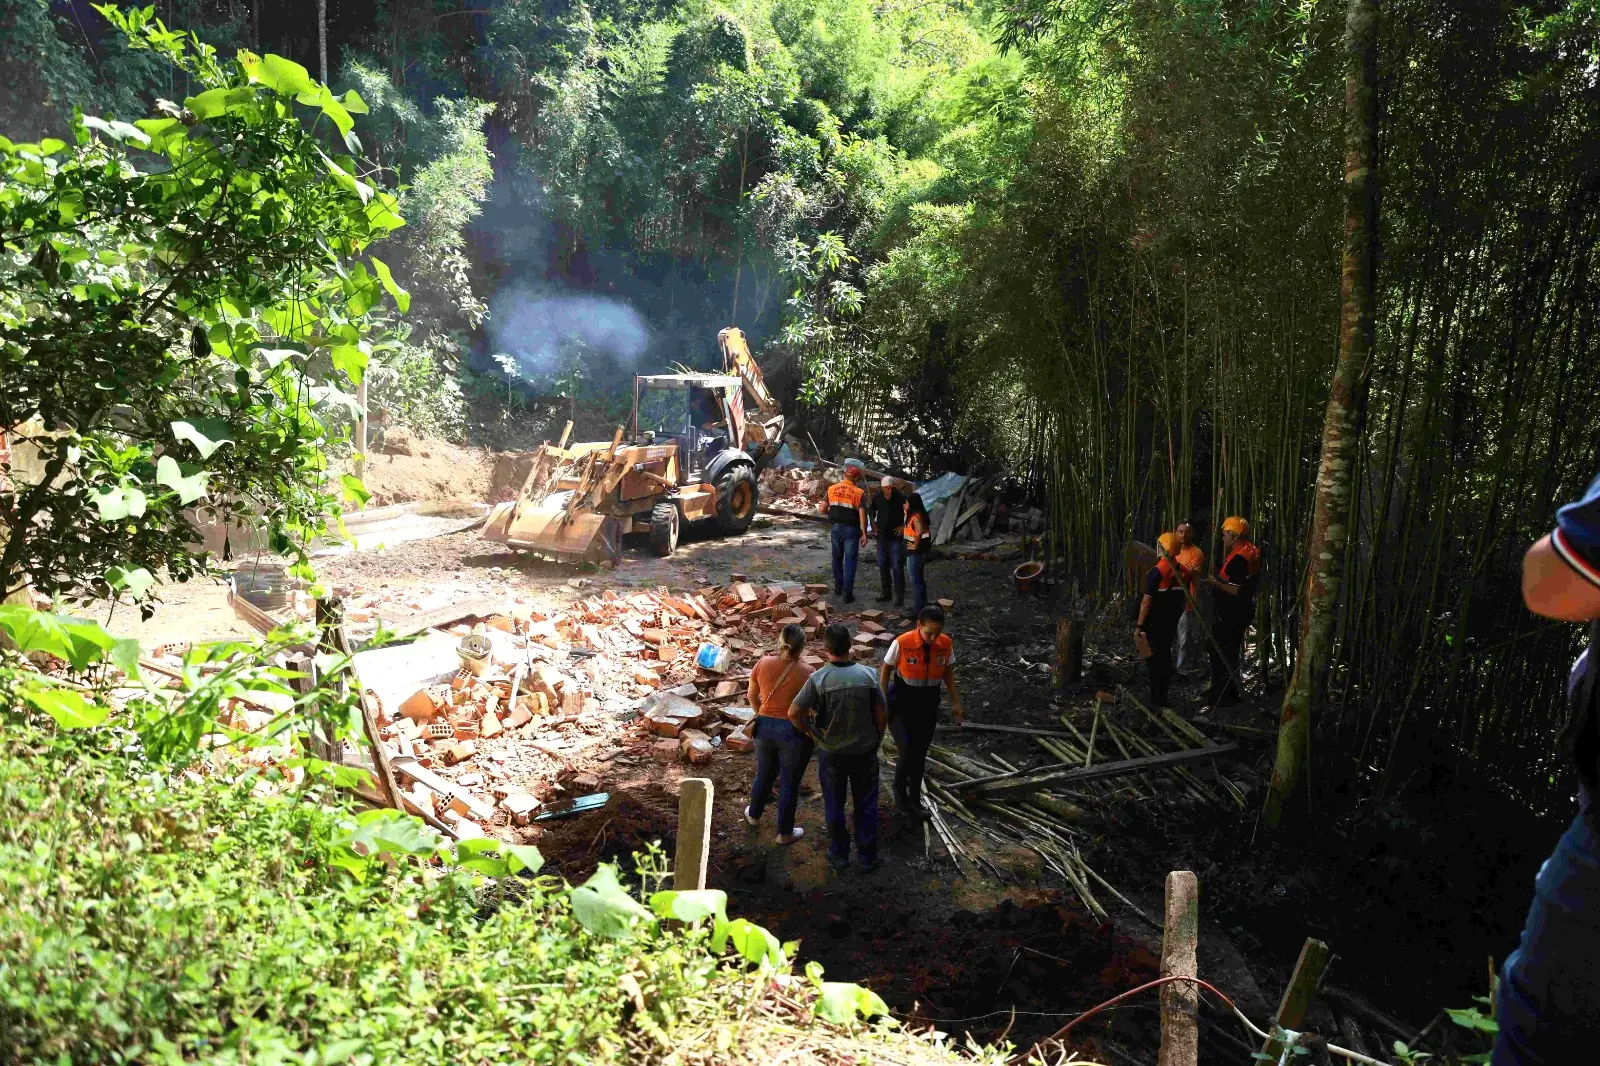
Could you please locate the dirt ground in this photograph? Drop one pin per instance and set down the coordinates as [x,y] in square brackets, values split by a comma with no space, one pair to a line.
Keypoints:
[1431,880]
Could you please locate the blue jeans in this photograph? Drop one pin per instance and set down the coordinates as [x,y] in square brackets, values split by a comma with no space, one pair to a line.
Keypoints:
[846,546]
[857,775]
[1549,1008]
[782,752]
[919,582]
[892,565]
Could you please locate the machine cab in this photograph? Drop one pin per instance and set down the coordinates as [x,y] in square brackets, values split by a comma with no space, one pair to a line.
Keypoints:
[702,413]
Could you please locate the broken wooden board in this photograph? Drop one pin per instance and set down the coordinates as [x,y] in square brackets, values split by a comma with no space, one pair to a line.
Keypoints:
[1063,776]
[952,511]
[409,767]
[472,607]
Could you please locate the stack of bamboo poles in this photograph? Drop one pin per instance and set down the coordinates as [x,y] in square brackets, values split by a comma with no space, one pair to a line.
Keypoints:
[1044,821]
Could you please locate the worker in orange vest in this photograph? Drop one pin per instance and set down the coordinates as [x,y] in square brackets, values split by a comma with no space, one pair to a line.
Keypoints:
[1233,608]
[847,511]
[1159,611]
[916,667]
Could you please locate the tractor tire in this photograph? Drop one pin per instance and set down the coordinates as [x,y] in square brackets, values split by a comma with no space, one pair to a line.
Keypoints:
[664,528]
[737,495]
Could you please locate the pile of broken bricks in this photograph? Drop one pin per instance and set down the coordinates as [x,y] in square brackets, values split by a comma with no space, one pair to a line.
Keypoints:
[497,740]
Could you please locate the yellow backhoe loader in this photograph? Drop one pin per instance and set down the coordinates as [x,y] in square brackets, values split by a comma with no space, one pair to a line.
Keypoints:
[690,453]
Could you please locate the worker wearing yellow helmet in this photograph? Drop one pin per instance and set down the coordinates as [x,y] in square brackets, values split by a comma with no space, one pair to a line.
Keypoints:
[1159,611]
[1233,608]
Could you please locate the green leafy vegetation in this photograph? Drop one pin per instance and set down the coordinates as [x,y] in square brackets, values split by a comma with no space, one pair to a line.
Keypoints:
[181,298]
[163,907]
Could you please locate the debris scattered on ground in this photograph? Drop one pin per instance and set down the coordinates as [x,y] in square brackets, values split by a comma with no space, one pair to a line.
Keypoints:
[508,706]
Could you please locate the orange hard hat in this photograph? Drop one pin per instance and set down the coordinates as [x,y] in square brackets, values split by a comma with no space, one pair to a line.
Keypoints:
[1236,525]
[1168,543]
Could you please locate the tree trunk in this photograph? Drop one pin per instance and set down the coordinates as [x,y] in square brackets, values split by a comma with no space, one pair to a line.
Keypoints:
[322,39]
[1341,427]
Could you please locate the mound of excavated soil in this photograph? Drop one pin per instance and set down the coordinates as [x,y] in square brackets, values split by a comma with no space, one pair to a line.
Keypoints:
[428,470]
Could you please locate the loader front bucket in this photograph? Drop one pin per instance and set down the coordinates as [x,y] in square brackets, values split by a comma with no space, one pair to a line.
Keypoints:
[549,530]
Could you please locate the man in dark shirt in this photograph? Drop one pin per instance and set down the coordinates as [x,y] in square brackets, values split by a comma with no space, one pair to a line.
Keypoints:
[1159,612]
[1549,1001]
[1233,608]
[841,709]
[886,515]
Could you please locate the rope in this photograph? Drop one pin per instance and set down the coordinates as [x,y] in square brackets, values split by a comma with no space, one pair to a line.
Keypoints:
[1283,1036]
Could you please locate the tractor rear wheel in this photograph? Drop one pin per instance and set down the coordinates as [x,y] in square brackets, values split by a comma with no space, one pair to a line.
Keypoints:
[664,528]
[737,495]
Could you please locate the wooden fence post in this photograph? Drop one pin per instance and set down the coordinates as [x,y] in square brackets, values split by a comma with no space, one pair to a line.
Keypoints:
[694,834]
[1297,996]
[1180,1000]
[1069,651]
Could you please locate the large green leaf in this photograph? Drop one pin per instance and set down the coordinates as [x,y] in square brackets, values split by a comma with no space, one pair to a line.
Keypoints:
[396,832]
[134,582]
[350,360]
[115,504]
[523,858]
[206,434]
[691,906]
[840,1002]
[604,907]
[749,940]
[284,76]
[74,640]
[482,856]
[354,489]
[189,487]
[402,298]
[220,101]
[120,131]
[70,709]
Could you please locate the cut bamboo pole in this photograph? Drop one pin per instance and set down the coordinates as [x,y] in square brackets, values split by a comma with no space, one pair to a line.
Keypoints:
[1297,996]
[1180,1000]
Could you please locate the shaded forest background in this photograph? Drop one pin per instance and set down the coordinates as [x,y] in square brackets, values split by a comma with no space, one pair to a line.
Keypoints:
[1094,241]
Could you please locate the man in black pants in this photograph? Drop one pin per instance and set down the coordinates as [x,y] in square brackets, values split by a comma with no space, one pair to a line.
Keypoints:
[887,515]
[1233,607]
[920,662]
[1159,612]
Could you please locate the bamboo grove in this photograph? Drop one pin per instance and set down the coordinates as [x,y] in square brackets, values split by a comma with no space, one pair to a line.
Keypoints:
[1142,311]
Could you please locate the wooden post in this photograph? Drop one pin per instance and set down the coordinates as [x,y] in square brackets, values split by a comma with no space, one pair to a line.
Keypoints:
[1297,997]
[1180,1000]
[694,834]
[1069,651]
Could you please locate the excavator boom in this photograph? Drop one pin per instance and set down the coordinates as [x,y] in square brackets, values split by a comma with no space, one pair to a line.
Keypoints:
[763,432]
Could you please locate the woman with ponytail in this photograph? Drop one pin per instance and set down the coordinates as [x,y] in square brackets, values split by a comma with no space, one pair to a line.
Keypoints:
[782,751]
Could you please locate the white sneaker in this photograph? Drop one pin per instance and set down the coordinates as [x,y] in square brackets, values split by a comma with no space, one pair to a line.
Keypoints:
[792,837]
[750,818]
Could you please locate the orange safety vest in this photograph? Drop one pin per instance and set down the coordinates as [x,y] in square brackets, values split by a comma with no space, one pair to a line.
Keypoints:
[915,531]
[844,494]
[1169,574]
[843,499]
[1251,553]
[922,663]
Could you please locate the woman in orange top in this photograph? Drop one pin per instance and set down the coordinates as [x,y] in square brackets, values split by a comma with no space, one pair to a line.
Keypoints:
[782,751]
[918,541]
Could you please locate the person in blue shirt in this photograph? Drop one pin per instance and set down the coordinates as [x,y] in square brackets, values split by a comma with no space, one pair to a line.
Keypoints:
[1549,1000]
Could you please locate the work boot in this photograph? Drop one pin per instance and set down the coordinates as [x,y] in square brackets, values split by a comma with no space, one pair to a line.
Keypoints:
[883,594]
[849,597]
